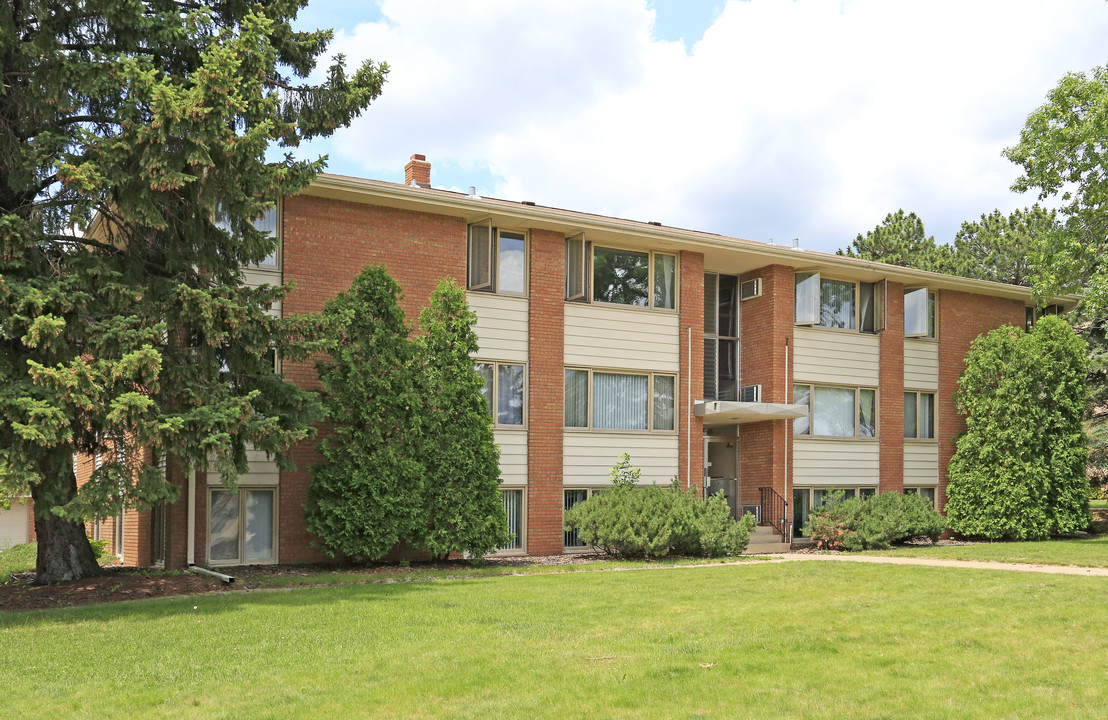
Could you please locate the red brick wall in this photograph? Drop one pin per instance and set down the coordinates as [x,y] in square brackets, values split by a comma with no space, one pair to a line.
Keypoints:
[767,326]
[326,244]
[961,318]
[890,399]
[690,456]
[546,378]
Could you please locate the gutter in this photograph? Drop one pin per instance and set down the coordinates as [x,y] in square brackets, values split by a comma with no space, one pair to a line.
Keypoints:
[211,573]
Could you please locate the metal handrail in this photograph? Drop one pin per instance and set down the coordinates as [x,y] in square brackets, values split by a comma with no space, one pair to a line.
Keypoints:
[775,511]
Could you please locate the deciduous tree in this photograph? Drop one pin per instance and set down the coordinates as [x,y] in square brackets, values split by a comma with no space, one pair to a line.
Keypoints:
[142,122]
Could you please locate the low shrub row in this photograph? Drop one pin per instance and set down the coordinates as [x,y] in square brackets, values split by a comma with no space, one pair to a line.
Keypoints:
[634,521]
[874,523]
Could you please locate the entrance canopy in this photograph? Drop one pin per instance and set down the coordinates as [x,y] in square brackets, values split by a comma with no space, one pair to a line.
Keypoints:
[730,412]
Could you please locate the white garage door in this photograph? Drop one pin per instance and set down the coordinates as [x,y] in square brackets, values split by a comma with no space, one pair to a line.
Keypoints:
[14,525]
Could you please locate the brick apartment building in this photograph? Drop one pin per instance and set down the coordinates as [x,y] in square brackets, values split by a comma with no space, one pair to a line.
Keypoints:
[770,374]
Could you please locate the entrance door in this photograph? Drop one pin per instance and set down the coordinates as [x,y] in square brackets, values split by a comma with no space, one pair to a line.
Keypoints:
[721,470]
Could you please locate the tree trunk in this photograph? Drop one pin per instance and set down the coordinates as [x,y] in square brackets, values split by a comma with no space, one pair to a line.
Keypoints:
[64,552]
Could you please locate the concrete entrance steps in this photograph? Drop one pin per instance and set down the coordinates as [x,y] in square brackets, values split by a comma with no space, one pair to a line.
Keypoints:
[765,540]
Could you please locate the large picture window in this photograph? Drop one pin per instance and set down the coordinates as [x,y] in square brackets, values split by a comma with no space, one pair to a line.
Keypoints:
[836,411]
[604,400]
[919,415]
[842,304]
[621,277]
[496,260]
[503,391]
[242,526]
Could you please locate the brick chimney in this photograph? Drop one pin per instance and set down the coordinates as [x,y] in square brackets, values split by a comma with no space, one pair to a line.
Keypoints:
[418,170]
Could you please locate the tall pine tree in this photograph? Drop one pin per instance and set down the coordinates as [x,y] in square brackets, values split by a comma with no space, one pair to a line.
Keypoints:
[141,121]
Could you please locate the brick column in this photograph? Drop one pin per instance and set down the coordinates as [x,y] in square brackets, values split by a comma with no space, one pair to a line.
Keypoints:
[546,387]
[767,328]
[690,454]
[961,318]
[891,395]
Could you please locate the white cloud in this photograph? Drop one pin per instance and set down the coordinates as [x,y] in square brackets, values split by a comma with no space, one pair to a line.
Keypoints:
[807,118]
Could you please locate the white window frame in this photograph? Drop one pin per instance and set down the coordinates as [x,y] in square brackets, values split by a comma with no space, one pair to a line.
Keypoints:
[522,534]
[934,417]
[496,392]
[650,400]
[915,490]
[585,277]
[811,316]
[589,492]
[493,250]
[857,411]
[590,271]
[241,560]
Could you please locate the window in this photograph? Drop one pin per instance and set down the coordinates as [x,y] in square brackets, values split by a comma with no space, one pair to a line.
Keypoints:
[513,508]
[919,415]
[807,499]
[836,411]
[503,391]
[919,313]
[843,304]
[721,337]
[928,493]
[571,497]
[242,526]
[496,260]
[603,400]
[621,277]
[268,223]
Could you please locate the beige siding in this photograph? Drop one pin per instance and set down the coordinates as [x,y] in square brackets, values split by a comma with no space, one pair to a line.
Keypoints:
[921,463]
[501,326]
[255,277]
[625,338]
[513,456]
[839,358]
[15,524]
[262,470]
[588,456]
[921,364]
[835,462]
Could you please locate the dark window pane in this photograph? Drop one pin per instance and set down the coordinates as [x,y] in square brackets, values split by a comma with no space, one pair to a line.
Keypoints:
[509,395]
[728,306]
[621,276]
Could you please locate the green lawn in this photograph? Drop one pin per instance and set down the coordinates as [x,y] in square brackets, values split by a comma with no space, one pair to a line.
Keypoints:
[1088,552]
[1098,503]
[18,558]
[795,640]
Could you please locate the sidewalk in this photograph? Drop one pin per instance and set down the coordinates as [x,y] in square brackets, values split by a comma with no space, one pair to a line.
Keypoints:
[936,562]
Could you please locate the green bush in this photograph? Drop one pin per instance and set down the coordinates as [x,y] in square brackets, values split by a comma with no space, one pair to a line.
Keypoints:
[650,521]
[99,548]
[872,524]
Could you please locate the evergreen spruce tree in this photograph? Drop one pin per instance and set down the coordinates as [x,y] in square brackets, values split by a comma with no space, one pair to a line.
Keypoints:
[367,495]
[1019,469]
[143,122]
[462,507]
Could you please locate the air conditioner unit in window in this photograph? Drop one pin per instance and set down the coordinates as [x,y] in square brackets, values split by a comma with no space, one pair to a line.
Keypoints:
[750,289]
[755,510]
[750,393]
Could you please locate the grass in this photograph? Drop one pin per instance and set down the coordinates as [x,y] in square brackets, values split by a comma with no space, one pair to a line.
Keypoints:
[1088,552]
[1098,503]
[17,559]
[797,640]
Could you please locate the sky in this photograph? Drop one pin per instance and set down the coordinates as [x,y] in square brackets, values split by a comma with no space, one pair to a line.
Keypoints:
[759,119]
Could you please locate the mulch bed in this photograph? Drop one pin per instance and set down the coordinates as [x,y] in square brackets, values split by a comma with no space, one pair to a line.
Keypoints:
[118,583]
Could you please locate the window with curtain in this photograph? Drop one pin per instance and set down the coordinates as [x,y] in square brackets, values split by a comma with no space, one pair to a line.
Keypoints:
[241,526]
[665,279]
[619,401]
[919,415]
[844,304]
[571,497]
[836,411]
[919,313]
[836,304]
[513,508]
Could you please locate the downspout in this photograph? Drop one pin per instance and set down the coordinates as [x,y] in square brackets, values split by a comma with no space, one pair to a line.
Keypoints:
[190,540]
[688,423]
[789,537]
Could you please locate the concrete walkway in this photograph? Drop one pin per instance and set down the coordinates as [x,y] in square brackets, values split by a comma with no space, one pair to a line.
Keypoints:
[937,562]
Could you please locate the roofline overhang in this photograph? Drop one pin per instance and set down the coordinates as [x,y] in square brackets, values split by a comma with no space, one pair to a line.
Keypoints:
[571,222]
